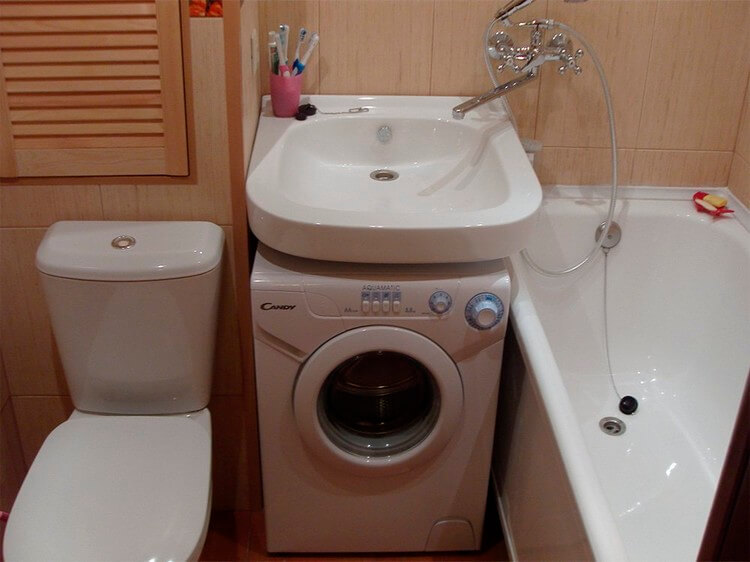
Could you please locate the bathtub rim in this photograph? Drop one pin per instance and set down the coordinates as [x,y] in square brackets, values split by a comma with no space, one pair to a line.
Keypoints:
[597,518]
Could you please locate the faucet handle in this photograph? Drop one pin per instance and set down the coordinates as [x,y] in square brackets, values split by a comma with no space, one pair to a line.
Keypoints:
[500,45]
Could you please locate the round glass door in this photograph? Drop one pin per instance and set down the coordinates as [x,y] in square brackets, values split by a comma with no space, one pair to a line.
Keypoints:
[378,403]
[378,399]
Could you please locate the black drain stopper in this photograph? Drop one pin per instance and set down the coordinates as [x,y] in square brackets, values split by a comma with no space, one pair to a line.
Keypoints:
[628,405]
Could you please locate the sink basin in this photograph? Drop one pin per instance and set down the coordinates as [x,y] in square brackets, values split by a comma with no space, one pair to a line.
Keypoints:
[402,182]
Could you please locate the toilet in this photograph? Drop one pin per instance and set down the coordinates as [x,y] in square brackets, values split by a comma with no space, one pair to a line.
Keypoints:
[127,477]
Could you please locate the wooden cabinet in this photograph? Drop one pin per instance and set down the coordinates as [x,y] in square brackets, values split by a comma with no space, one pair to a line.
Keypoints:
[92,88]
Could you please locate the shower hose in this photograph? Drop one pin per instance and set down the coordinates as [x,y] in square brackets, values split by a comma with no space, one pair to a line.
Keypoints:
[549,24]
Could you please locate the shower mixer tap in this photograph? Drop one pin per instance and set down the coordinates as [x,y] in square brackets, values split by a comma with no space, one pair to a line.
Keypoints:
[524,60]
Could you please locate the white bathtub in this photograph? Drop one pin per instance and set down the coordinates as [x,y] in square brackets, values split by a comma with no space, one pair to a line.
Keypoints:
[679,329]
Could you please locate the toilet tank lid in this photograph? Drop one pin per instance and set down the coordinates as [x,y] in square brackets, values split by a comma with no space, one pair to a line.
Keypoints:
[129,251]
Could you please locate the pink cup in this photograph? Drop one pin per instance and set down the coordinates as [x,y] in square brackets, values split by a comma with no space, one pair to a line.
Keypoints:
[285,92]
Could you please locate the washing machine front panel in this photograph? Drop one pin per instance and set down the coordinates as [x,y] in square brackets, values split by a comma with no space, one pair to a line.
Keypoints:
[378,400]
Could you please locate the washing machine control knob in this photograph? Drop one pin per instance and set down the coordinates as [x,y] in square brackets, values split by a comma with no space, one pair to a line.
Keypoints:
[440,302]
[484,311]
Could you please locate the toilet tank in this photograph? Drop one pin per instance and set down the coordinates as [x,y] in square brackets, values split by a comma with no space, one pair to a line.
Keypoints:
[133,307]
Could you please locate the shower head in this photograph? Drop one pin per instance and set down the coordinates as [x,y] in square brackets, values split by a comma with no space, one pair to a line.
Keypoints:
[514,5]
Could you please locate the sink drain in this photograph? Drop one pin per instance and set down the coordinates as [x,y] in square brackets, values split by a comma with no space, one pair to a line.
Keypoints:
[612,426]
[384,175]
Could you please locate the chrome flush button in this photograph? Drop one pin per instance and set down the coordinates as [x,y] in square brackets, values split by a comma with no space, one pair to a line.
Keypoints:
[123,242]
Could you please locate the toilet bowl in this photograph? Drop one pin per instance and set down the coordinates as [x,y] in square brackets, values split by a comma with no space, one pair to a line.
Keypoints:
[128,476]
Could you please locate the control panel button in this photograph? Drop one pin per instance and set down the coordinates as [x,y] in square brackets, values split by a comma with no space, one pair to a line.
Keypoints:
[484,311]
[396,306]
[376,306]
[440,302]
[365,306]
[386,306]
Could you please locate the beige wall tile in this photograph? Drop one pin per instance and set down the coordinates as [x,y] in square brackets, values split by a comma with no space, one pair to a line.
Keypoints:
[42,205]
[743,136]
[739,179]
[228,359]
[375,46]
[28,348]
[120,203]
[681,168]
[231,470]
[12,466]
[581,166]
[693,96]
[250,28]
[296,14]
[36,417]
[458,67]
[572,110]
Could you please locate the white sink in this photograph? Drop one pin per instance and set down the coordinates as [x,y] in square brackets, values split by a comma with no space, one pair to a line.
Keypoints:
[465,189]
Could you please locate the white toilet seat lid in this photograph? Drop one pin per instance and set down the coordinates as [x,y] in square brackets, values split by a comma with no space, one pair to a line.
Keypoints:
[116,488]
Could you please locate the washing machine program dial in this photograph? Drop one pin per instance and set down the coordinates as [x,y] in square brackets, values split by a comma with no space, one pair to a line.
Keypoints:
[484,311]
[440,302]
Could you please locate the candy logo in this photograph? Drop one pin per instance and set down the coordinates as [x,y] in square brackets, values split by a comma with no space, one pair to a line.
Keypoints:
[271,306]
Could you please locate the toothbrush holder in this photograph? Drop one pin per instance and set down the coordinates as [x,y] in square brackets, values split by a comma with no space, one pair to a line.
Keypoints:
[285,93]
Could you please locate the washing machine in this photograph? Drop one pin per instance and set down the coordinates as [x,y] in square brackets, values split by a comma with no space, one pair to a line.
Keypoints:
[377,394]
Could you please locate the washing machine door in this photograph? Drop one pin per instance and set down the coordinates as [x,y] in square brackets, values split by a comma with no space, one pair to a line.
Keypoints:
[378,400]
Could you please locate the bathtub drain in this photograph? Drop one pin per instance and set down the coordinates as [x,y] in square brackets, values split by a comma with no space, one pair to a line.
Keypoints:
[612,426]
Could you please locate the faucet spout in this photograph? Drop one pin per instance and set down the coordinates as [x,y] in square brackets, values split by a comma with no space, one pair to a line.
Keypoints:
[459,112]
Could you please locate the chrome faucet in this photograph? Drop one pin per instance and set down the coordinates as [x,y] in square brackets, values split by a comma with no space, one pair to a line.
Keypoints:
[525,60]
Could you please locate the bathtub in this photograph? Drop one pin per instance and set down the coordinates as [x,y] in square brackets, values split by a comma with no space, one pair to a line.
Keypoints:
[679,317]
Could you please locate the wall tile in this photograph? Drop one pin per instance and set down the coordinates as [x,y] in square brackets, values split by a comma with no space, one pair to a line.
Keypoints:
[36,417]
[458,67]
[375,46]
[250,27]
[693,96]
[581,166]
[228,360]
[743,136]
[28,348]
[572,110]
[681,168]
[12,466]
[739,179]
[42,205]
[295,13]
[231,470]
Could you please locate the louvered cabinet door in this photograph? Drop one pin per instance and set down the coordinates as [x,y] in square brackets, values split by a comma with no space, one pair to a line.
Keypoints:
[91,88]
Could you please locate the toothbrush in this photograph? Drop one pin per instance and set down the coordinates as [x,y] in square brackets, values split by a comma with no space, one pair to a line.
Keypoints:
[273,57]
[300,40]
[283,68]
[314,38]
[284,38]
